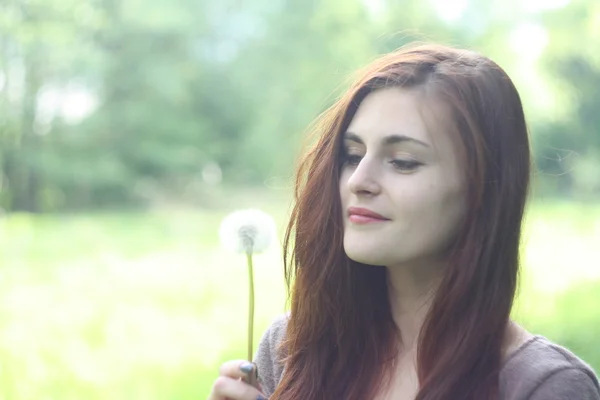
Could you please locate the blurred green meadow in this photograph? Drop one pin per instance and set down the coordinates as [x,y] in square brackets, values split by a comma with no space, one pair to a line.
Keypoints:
[147,305]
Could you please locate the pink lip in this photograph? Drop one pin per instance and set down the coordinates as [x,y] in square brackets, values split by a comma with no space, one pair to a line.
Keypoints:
[364,216]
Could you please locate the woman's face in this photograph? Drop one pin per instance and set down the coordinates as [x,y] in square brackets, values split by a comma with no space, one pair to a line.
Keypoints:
[402,188]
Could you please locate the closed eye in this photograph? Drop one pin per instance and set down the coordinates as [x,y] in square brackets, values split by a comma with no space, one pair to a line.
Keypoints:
[406,165]
[352,159]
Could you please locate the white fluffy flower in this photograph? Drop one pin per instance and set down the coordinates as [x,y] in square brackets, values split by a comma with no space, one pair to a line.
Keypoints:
[247,231]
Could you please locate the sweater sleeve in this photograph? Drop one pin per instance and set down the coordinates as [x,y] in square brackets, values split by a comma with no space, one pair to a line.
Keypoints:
[268,358]
[568,384]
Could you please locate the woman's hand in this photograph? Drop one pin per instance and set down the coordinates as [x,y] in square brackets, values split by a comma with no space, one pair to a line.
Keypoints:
[232,382]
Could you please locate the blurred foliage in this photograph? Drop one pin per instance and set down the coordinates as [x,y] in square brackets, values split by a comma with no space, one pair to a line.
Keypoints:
[577,310]
[107,103]
[570,318]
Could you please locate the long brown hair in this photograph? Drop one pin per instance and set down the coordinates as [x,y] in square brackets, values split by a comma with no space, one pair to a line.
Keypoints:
[341,337]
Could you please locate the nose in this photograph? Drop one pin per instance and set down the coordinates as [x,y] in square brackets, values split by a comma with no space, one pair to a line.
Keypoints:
[364,179]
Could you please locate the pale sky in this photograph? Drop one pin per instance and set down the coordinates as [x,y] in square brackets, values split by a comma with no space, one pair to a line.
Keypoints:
[452,9]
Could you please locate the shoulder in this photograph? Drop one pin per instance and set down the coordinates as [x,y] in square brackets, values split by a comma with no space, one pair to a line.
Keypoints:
[269,358]
[540,369]
[276,331]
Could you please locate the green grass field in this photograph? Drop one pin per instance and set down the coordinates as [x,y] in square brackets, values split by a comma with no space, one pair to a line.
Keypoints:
[147,305]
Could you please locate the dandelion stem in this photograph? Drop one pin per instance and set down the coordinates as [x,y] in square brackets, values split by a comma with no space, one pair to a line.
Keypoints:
[250,305]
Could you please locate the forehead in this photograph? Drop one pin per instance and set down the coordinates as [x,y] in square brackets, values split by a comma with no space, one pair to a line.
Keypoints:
[406,112]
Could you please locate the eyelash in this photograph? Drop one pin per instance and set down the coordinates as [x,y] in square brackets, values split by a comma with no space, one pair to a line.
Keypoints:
[406,165]
[352,159]
[401,165]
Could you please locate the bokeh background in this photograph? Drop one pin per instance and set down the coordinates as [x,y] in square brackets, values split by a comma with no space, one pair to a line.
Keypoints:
[129,129]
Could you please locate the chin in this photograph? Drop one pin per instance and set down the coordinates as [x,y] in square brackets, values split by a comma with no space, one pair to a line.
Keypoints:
[367,256]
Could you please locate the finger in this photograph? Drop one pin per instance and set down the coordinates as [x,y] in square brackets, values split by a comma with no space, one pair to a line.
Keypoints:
[251,378]
[236,369]
[230,388]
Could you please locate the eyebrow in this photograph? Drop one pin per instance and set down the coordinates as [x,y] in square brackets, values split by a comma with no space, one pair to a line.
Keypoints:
[387,140]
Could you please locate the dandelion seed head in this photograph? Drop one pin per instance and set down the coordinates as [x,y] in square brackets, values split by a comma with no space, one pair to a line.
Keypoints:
[247,231]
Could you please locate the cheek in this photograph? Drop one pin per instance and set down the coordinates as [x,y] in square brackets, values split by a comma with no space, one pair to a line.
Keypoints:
[448,212]
[343,188]
[455,196]
[344,197]
[430,212]
[416,198]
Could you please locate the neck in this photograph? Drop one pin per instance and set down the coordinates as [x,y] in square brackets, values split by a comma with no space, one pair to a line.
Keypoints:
[411,292]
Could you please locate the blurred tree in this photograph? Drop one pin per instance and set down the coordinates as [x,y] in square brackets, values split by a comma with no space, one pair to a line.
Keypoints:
[291,73]
[38,38]
[569,142]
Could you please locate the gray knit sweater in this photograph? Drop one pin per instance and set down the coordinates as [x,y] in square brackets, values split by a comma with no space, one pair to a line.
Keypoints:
[538,370]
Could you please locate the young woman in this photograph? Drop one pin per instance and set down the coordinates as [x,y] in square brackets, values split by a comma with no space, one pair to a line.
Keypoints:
[406,234]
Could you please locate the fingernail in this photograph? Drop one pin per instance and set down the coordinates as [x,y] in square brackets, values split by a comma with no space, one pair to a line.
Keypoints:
[246,367]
